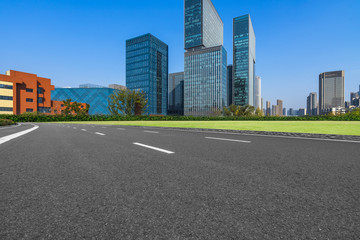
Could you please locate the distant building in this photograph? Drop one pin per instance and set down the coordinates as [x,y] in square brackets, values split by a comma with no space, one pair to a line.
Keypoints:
[117,86]
[205,60]
[280,105]
[257,93]
[89,85]
[97,98]
[331,90]
[284,112]
[353,97]
[147,70]
[347,104]
[230,84]
[176,94]
[275,110]
[244,58]
[302,112]
[268,108]
[312,104]
[291,112]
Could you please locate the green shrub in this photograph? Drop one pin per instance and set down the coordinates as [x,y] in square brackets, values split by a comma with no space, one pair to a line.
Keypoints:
[6,122]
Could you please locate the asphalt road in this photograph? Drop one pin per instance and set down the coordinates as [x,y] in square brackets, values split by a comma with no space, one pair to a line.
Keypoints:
[95,182]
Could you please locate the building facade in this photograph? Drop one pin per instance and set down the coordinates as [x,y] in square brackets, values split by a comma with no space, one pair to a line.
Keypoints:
[97,98]
[205,60]
[268,108]
[176,94]
[280,104]
[257,93]
[312,104]
[24,92]
[331,90]
[244,58]
[147,70]
[229,84]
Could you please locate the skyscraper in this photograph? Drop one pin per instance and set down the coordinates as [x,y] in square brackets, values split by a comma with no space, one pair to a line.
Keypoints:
[353,97]
[331,90]
[268,108]
[244,58]
[280,105]
[257,93]
[229,84]
[147,70]
[312,104]
[205,66]
[176,94]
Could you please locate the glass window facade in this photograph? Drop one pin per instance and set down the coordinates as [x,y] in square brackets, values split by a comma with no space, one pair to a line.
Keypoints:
[229,84]
[176,94]
[4,86]
[6,109]
[203,25]
[97,98]
[243,61]
[205,84]
[147,70]
[6,97]
[331,90]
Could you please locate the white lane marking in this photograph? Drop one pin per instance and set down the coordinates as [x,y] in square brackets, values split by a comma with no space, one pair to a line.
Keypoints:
[262,135]
[6,127]
[151,132]
[121,128]
[154,148]
[16,135]
[74,127]
[230,140]
[83,130]
[101,134]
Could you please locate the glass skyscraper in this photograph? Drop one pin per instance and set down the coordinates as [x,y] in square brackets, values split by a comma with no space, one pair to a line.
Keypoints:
[147,70]
[243,61]
[331,90]
[176,94]
[205,67]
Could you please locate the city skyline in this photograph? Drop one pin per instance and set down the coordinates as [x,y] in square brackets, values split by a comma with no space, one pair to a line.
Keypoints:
[67,55]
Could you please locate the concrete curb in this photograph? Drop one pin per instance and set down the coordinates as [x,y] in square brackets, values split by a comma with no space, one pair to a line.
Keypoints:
[284,134]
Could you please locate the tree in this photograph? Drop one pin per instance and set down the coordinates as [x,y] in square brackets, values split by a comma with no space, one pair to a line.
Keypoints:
[75,108]
[67,105]
[128,102]
[259,112]
[239,111]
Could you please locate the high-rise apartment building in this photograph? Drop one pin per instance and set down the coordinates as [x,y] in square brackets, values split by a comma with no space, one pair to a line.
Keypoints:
[229,84]
[176,94]
[205,66]
[147,70]
[244,58]
[280,105]
[353,97]
[331,90]
[312,104]
[257,93]
[268,108]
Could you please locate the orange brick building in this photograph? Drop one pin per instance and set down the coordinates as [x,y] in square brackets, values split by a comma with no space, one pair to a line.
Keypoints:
[24,92]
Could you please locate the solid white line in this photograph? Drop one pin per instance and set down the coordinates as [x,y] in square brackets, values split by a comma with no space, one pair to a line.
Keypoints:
[262,135]
[16,135]
[150,132]
[154,148]
[8,127]
[100,134]
[230,140]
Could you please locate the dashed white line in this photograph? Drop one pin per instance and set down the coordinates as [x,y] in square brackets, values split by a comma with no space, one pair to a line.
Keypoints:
[103,127]
[154,148]
[16,135]
[230,140]
[101,134]
[74,127]
[83,130]
[151,132]
[121,128]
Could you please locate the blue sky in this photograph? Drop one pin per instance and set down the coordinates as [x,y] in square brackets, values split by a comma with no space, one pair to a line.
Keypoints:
[83,41]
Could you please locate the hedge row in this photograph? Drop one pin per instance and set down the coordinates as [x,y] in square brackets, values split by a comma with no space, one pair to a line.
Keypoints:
[6,122]
[70,118]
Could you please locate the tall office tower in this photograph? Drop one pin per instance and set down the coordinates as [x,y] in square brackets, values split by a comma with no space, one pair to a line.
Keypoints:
[280,105]
[243,61]
[147,70]
[262,103]
[275,110]
[302,112]
[331,90]
[229,83]
[205,65]
[284,112]
[268,109]
[176,94]
[312,104]
[353,97]
[257,93]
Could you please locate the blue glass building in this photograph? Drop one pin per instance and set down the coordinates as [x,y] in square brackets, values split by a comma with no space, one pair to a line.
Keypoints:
[176,94]
[205,86]
[97,98]
[147,70]
[243,61]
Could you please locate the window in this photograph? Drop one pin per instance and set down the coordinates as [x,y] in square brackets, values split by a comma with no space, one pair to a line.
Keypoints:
[82,106]
[44,110]
[6,98]
[40,90]
[29,110]
[62,105]
[40,100]
[6,86]
[6,109]
[29,100]
[29,90]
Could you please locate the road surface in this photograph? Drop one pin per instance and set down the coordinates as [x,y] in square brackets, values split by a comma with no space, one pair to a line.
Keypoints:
[66,181]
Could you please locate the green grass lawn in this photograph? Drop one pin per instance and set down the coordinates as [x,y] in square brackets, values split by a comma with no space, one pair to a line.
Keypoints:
[320,127]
